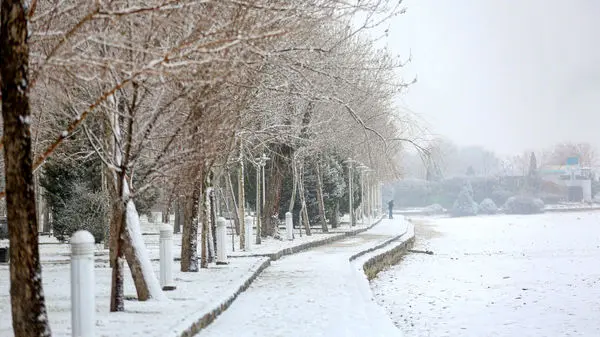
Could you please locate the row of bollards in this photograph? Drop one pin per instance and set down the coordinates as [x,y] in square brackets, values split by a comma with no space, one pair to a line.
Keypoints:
[83,304]
[249,222]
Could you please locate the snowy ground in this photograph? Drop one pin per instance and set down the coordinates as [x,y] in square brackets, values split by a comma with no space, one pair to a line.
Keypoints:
[565,206]
[572,206]
[315,293]
[196,294]
[52,251]
[502,275]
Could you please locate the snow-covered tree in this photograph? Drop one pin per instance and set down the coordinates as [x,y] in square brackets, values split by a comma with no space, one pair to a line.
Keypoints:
[177,89]
[488,206]
[29,316]
[464,204]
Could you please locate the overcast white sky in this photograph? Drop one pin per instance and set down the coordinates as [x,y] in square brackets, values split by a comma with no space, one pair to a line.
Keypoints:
[508,75]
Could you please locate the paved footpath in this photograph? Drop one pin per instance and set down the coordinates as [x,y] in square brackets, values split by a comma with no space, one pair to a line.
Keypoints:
[315,293]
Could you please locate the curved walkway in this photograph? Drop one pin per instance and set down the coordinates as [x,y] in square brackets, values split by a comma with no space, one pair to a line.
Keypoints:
[315,293]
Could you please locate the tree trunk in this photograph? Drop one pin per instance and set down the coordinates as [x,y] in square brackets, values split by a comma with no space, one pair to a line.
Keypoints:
[335,216]
[204,237]
[111,186]
[210,226]
[303,211]
[29,317]
[47,223]
[212,197]
[38,201]
[128,238]
[241,201]
[166,216]
[189,240]
[144,278]
[258,201]
[178,215]
[117,296]
[130,245]
[278,167]
[234,212]
[294,187]
[320,198]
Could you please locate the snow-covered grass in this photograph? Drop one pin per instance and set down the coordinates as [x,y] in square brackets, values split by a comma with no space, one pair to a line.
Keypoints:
[314,293]
[504,275]
[270,245]
[196,294]
[53,251]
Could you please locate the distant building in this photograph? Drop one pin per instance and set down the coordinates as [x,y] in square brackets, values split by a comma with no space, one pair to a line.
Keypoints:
[577,180]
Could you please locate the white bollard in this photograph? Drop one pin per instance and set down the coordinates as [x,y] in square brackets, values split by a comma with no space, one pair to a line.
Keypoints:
[83,304]
[248,222]
[221,238]
[289,226]
[166,257]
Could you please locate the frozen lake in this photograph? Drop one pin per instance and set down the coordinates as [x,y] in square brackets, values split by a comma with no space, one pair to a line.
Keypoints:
[536,275]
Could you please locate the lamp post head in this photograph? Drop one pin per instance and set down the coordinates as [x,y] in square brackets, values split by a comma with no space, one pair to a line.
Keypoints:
[262,160]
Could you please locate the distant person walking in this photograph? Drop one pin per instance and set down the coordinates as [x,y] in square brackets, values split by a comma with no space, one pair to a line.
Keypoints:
[391,207]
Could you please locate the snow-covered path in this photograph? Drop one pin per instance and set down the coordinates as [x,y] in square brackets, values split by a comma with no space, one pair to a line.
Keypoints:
[315,293]
[504,276]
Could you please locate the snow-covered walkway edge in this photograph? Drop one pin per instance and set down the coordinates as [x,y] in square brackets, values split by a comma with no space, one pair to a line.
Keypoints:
[368,263]
[198,300]
[268,255]
[197,295]
[297,246]
[318,292]
[198,321]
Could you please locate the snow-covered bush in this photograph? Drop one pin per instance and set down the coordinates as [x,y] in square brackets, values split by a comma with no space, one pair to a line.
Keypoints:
[539,203]
[499,196]
[548,198]
[488,206]
[434,209]
[464,204]
[84,210]
[523,205]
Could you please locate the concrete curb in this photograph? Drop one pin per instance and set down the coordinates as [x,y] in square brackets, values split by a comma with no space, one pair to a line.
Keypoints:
[392,254]
[569,210]
[379,246]
[212,315]
[209,317]
[309,245]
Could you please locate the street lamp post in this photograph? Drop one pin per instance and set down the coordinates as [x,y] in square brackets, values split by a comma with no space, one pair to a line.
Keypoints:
[263,162]
[241,201]
[369,192]
[260,191]
[380,197]
[363,170]
[349,162]
[258,203]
